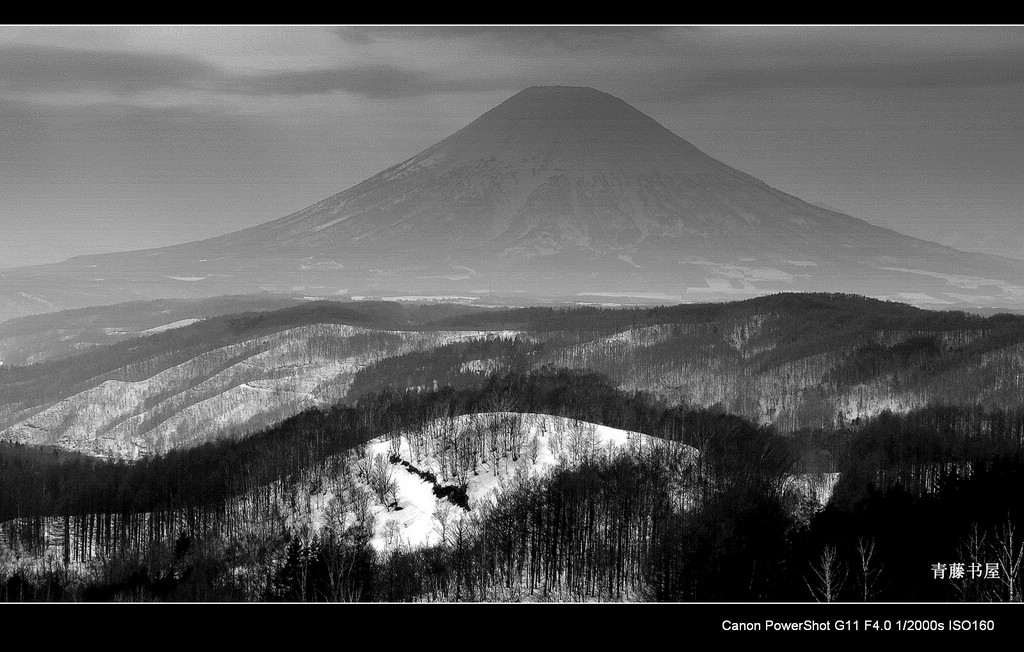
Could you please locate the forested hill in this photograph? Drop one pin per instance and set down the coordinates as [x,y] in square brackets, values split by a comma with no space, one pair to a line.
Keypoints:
[793,360]
[54,335]
[288,513]
[185,385]
[164,349]
[864,310]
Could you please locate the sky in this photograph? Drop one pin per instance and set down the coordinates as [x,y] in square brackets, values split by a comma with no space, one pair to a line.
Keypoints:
[127,137]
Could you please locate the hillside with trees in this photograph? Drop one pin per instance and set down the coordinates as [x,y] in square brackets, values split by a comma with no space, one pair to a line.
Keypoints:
[291,513]
[793,361]
[788,448]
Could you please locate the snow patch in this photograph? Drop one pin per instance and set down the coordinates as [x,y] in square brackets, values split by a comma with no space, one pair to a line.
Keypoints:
[963,280]
[543,442]
[156,329]
[323,265]
[633,295]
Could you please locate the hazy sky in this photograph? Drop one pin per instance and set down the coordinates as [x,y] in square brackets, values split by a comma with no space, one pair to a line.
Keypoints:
[115,138]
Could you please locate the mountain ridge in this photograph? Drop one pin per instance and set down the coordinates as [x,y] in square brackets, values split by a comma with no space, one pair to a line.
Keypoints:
[796,360]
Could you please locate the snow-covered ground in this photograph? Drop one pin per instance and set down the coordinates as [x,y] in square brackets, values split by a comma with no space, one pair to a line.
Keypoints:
[417,517]
[543,440]
[413,516]
[409,514]
[271,376]
[152,331]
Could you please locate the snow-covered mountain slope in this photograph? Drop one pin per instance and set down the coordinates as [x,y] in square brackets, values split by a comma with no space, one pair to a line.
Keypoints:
[242,386]
[793,361]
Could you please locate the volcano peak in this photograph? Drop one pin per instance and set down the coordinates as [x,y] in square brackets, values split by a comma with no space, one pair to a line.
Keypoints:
[563,103]
[558,191]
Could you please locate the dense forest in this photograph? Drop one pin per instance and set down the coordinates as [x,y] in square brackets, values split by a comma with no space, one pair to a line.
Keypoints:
[799,448]
[934,487]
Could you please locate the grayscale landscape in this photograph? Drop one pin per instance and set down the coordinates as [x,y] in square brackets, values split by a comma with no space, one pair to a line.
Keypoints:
[511,314]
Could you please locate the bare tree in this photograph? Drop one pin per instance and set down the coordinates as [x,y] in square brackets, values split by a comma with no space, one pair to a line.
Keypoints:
[556,440]
[869,574]
[515,435]
[361,508]
[392,535]
[395,443]
[379,475]
[1009,561]
[461,533]
[829,576]
[583,441]
[973,550]
[533,447]
[442,519]
[346,545]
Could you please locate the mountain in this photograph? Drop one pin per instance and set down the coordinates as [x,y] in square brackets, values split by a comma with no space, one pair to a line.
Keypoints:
[180,384]
[794,361]
[558,192]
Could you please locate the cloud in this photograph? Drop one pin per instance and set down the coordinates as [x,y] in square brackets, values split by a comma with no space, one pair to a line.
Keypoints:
[530,39]
[25,67]
[987,70]
[665,63]
[385,62]
[374,81]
